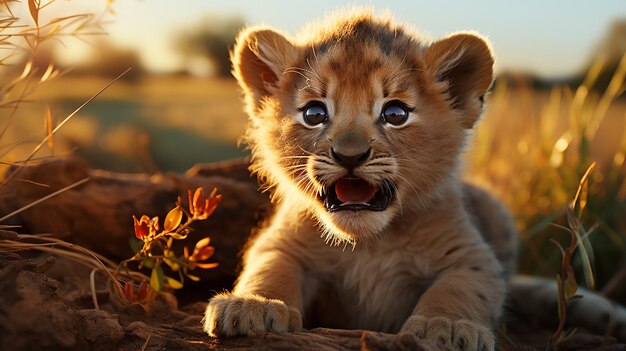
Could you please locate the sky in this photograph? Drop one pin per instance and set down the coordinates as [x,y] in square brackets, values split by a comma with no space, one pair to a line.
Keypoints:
[549,38]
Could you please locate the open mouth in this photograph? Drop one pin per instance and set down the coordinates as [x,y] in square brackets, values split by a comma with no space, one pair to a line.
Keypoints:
[355,194]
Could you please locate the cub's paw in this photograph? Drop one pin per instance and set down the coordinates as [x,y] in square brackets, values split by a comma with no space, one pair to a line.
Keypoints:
[230,315]
[451,335]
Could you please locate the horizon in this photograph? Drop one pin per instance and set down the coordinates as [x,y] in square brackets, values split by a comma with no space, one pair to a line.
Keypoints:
[574,27]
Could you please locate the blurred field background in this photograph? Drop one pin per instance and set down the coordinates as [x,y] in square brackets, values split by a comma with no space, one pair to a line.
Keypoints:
[556,107]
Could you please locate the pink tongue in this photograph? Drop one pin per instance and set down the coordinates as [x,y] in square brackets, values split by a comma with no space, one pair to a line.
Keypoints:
[354,190]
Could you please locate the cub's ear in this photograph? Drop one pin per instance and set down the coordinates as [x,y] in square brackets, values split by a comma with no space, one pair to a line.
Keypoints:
[259,59]
[463,61]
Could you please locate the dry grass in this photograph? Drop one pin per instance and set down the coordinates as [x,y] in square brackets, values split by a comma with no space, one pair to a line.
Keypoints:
[23,73]
[143,125]
[532,149]
[47,243]
[21,77]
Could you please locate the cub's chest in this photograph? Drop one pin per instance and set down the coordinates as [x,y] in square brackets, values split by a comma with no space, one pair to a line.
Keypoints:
[373,289]
[384,270]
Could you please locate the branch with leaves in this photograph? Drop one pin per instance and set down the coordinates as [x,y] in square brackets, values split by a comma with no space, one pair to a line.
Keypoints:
[155,250]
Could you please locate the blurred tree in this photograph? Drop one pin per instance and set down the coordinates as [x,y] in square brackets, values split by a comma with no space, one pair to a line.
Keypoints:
[613,46]
[211,40]
[611,49]
[109,60]
[106,60]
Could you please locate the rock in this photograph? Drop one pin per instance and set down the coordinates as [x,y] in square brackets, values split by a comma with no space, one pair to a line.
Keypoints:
[100,329]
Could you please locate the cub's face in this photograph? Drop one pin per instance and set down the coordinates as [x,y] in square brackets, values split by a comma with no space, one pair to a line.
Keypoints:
[363,123]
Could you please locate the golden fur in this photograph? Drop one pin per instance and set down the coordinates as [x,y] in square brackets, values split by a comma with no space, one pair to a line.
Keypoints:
[424,264]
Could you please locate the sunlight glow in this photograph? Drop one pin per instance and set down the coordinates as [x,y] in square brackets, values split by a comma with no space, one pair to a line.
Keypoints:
[561,144]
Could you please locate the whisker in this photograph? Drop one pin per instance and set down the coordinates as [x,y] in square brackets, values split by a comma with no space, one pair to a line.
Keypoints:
[303,156]
[319,79]
[307,152]
[296,166]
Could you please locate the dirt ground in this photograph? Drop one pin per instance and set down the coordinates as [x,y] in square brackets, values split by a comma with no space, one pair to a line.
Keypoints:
[46,306]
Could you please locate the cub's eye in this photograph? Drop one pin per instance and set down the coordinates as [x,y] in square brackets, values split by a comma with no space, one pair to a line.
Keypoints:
[395,113]
[314,113]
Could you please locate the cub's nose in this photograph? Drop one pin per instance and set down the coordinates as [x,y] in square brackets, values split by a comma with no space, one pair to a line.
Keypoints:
[350,161]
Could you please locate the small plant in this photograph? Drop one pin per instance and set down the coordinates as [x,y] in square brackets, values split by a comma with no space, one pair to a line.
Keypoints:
[156,246]
[126,285]
[566,279]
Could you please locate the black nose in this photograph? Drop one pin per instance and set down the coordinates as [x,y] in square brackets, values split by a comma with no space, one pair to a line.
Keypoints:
[351,161]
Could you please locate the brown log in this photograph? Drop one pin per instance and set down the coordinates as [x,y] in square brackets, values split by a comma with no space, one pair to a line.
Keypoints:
[98,214]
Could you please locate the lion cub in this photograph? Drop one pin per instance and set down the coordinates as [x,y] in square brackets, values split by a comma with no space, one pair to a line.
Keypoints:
[358,128]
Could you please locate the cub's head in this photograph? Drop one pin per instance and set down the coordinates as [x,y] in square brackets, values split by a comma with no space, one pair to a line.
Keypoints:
[361,121]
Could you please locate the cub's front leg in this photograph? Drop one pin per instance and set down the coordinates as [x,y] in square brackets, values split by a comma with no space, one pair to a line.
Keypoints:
[459,309]
[249,314]
[267,296]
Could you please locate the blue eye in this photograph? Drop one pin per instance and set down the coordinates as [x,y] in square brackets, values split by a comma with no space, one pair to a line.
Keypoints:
[314,113]
[395,113]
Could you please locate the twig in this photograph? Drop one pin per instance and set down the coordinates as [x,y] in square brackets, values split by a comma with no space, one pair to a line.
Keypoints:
[145,344]
[33,182]
[92,285]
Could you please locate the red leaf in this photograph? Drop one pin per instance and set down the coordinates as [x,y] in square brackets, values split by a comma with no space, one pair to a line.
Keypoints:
[129,291]
[154,224]
[198,200]
[212,204]
[143,290]
[202,243]
[207,265]
[190,199]
[142,227]
[202,254]
[173,219]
